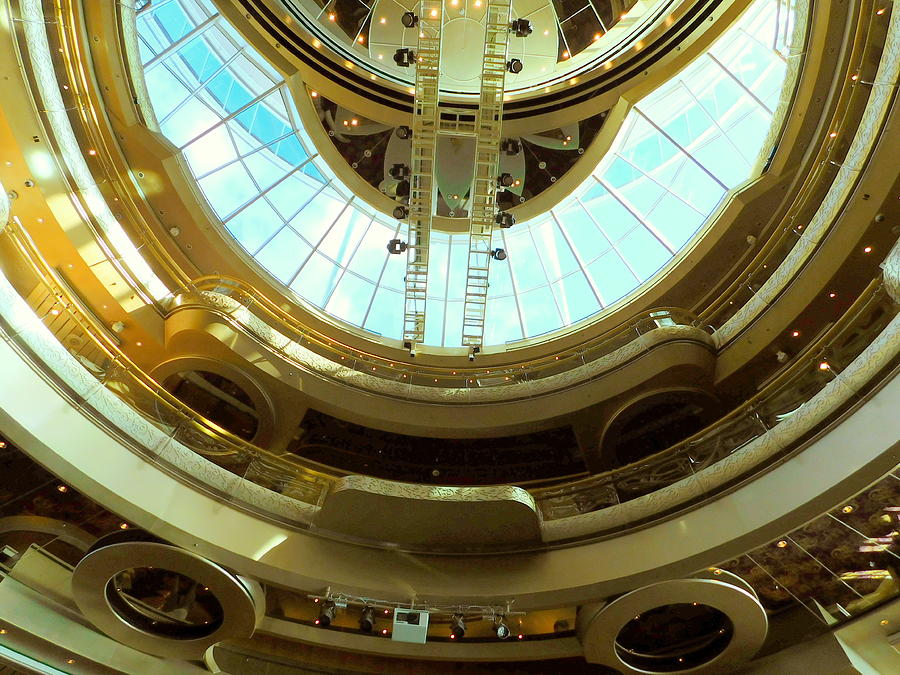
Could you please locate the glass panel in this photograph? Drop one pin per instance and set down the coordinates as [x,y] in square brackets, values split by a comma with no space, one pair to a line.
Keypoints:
[676,155]
[351,298]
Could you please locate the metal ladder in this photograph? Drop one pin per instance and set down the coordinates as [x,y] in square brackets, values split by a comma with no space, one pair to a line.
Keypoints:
[487,131]
[423,187]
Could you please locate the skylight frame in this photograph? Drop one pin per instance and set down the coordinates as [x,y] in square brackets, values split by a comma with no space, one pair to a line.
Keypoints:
[578,225]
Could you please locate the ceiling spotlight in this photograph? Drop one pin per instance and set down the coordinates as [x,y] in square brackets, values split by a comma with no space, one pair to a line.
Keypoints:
[409,20]
[367,620]
[398,171]
[514,66]
[396,246]
[400,212]
[498,254]
[326,616]
[457,627]
[501,628]
[404,57]
[521,27]
[505,199]
[510,146]
[505,219]
[505,180]
[403,132]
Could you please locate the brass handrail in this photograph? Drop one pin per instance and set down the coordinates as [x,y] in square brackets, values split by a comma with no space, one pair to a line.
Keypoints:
[848,111]
[444,377]
[125,378]
[810,370]
[309,484]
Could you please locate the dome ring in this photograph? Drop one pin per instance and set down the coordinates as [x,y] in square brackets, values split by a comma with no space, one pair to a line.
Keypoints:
[242,600]
[745,612]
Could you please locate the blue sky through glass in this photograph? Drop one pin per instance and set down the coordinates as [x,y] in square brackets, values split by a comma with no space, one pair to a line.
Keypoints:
[678,154]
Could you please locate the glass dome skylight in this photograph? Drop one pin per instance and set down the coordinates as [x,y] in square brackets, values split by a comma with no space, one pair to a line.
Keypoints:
[679,152]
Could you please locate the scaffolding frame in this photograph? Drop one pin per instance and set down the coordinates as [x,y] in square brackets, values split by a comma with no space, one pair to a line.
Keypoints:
[429,124]
[422,185]
[483,202]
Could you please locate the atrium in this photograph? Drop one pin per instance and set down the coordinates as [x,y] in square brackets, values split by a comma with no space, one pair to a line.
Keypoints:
[449,336]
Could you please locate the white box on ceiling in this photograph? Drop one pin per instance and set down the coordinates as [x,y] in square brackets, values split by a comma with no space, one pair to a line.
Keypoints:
[410,625]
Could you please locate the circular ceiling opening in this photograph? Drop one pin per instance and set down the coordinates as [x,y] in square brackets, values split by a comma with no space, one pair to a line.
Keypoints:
[218,399]
[657,422]
[164,603]
[673,638]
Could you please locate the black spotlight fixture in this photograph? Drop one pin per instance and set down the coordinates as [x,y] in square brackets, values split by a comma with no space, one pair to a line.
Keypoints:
[521,27]
[514,66]
[505,219]
[401,211]
[510,146]
[396,246]
[457,627]
[403,132]
[505,180]
[499,254]
[505,199]
[367,620]
[404,57]
[409,20]
[398,171]
[402,188]
[326,616]
[501,628]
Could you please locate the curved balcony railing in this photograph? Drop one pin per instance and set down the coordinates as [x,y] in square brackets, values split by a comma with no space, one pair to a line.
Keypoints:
[281,333]
[807,375]
[802,229]
[834,568]
[836,168]
[96,348]
[534,377]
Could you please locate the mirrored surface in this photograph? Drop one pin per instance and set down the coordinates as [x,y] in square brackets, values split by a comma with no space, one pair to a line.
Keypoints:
[164,602]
